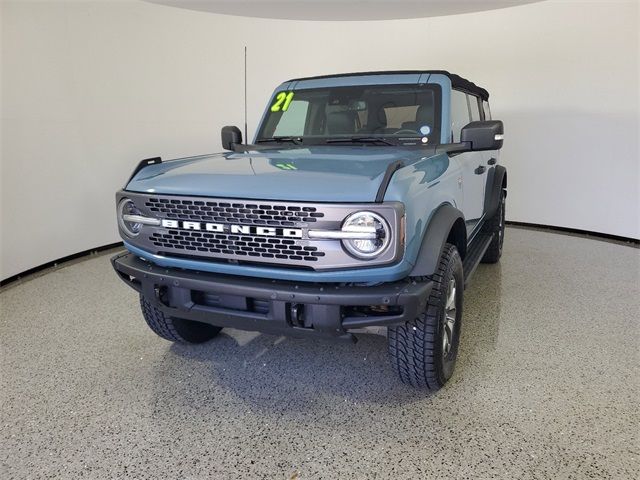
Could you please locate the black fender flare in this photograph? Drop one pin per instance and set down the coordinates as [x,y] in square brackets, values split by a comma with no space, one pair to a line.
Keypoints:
[435,237]
[495,178]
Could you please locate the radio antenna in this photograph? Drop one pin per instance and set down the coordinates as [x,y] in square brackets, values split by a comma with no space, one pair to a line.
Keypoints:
[245,95]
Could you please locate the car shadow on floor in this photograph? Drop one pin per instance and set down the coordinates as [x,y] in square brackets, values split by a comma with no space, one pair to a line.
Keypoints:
[267,371]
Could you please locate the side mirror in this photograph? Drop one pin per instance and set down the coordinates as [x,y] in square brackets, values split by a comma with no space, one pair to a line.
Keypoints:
[487,135]
[230,136]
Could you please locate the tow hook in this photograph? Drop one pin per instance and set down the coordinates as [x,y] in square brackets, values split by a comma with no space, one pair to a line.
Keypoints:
[297,315]
[160,293]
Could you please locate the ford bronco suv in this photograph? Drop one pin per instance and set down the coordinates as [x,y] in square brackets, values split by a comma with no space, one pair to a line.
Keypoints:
[366,200]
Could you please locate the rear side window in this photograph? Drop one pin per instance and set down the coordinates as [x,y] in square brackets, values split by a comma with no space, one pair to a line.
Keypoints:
[474,107]
[459,114]
[487,110]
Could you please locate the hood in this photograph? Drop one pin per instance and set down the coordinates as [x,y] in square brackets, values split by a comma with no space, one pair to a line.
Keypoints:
[322,173]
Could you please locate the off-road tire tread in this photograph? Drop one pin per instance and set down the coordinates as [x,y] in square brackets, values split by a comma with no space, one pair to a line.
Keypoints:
[412,346]
[164,326]
[159,322]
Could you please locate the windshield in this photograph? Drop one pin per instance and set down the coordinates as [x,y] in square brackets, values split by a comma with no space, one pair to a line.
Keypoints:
[376,114]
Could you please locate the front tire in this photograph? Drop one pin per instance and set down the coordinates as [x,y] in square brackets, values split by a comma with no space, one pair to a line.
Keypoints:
[423,352]
[176,330]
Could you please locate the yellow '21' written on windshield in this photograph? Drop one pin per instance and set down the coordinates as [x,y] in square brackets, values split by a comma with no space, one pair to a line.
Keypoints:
[283,100]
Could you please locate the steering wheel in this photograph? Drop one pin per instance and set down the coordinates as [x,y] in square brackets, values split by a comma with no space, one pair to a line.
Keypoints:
[407,130]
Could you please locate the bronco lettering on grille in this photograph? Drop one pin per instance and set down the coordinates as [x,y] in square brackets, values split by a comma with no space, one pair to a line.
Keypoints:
[234,229]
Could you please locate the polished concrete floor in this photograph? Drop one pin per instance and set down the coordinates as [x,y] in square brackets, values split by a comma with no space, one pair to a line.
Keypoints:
[547,384]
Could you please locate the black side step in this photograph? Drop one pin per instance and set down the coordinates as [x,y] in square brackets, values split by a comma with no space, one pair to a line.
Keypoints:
[475,252]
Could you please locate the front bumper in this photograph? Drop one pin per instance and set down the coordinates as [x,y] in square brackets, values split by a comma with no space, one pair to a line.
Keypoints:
[271,306]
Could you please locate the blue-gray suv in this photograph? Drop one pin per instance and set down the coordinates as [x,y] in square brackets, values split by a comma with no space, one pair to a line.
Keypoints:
[366,200]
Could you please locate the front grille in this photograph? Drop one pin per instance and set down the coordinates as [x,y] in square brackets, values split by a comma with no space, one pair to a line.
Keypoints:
[212,232]
[237,245]
[233,212]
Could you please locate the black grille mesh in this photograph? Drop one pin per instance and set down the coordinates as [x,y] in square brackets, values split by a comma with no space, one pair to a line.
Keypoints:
[233,212]
[248,246]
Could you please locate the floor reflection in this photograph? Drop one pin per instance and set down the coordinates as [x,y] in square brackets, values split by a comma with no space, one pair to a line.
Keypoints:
[263,369]
[482,313]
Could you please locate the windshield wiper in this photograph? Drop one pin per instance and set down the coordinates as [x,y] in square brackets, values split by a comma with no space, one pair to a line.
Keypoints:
[361,140]
[294,140]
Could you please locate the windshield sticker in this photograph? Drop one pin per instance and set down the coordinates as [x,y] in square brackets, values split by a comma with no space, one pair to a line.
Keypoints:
[283,100]
[425,130]
[286,166]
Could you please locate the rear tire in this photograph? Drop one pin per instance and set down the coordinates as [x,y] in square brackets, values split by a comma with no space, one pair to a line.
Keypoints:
[495,225]
[423,351]
[174,329]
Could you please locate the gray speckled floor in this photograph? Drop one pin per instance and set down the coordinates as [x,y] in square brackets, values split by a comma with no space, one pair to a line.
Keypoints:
[547,384]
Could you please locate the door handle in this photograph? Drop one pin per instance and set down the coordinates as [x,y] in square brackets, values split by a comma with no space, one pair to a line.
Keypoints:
[480,170]
[492,161]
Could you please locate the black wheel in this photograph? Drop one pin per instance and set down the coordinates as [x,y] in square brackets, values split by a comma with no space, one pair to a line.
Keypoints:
[495,225]
[174,329]
[423,351]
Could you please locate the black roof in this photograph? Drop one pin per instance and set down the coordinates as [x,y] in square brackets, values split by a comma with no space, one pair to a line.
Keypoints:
[457,81]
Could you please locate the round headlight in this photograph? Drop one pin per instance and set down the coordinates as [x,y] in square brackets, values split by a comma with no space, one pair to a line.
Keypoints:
[370,225]
[127,207]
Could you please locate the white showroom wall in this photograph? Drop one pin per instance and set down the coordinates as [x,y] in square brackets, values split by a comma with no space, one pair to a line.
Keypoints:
[89,88]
